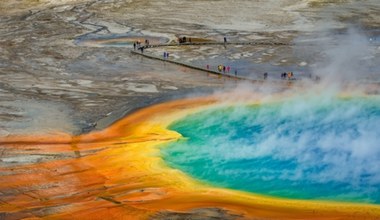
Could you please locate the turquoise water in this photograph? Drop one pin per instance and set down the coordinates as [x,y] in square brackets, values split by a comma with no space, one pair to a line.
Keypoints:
[306,148]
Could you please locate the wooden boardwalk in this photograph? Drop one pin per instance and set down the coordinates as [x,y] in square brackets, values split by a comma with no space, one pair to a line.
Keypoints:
[150,56]
[210,71]
[217,43]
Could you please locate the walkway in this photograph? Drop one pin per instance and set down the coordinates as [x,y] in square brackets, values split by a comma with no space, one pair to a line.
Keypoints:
[223,74]
[218,43]
[190,66]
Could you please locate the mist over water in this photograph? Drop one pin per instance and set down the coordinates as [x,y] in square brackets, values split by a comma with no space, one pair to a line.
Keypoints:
[313,144]
[307,147]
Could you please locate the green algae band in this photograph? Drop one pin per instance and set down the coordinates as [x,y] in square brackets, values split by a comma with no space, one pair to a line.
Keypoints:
[324,148]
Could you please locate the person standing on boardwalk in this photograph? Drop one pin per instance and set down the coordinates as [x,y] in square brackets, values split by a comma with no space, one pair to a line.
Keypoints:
[290,75]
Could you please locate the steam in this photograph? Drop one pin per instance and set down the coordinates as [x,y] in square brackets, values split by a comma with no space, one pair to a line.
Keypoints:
[312,137]
[309,140]
[347,58]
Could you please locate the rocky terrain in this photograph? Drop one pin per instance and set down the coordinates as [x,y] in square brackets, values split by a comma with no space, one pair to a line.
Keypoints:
[52,83]
[48,83]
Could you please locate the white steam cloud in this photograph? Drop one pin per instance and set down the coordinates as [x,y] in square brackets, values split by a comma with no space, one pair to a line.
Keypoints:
[328,141]
[346,58]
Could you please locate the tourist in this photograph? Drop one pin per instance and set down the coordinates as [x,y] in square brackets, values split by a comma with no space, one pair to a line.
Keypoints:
[134,45]
[283,75]
[235,72]
[164,55]
[224,69]
[207,67]
[167,55]
[228,69]
[265,75]
[225,39]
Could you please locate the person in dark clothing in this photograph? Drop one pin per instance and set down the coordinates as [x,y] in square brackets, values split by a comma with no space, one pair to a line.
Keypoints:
[225,39]
[283,75]
[134,46]
[224,69]
[265,75]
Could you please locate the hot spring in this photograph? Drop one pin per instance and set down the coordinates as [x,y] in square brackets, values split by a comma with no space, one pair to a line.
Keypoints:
[320,148]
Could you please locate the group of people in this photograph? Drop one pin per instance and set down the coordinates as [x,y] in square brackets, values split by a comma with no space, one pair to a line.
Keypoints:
[221,68]
[224,68]
[166,55]
[139,46]
[288,75]
[184,40]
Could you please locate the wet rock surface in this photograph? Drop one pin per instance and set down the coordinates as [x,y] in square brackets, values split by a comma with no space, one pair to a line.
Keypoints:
[40,61]
[50,83]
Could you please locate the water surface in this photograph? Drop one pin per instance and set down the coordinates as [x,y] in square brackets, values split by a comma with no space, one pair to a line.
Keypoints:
[307,148]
